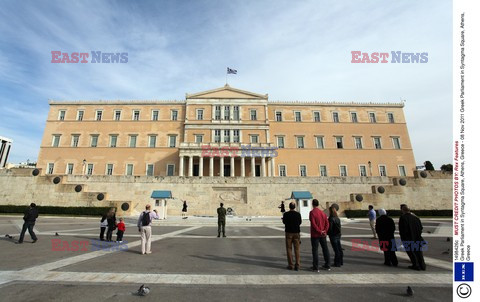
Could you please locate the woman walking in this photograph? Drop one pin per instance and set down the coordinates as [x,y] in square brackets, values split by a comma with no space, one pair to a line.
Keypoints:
[334,233]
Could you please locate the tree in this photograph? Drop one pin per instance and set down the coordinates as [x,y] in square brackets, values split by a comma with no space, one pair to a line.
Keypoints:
[446,168]
[429,166]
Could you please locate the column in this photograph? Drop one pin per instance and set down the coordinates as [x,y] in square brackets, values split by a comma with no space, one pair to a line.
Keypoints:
[190,166]
[242,166]
[272,162]
[263,167]
[232,166]
[211,167]
[252,166]
[269,166]
[180,168]
[200,166]
[221,166]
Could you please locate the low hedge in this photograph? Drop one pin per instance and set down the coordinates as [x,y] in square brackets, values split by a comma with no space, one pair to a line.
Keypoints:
[397,213]
[89,211]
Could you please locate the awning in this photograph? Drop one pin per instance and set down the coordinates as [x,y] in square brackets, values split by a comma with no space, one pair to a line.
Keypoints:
[161,194]
[301,195]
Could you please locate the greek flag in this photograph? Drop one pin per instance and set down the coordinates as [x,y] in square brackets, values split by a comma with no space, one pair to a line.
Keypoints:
[231,71]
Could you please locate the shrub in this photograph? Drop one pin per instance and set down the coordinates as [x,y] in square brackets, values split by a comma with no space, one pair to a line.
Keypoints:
[88,211]
[397,213]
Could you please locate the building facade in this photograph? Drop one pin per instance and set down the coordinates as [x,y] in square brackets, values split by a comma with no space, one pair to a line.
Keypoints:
[5,146]
[226,132]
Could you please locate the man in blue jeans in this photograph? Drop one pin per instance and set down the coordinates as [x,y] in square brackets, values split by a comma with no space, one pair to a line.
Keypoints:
[318,234]
[31,215]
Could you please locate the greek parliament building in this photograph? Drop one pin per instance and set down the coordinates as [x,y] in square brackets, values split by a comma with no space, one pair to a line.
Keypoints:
[226,132]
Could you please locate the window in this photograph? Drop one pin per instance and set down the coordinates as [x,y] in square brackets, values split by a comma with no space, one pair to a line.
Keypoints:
[363,170]
[336,118]
[136,115]
[278,116]
[281,141]
[89,169]
[339,142]
[109,169]
[320,144]
[282,170]
[75,139]
[236,113]
[154,115]
[382,170]
[80,115]
[343,170]
[323,170]
[117,114]
[174,115]
[61,115]
[226,113]
[396,142]
[390,118]
[129,169]
[172,141]
[98,115]
[300,142]
[56,140]
[298,116]
[226,136]
[236,136]
[218,113]
[113,141]
[152,141]
[253,114]
[402,171]
[50,168]
[170,170]
[354,117]
[316,116]
[373,118]
[93,140]
[303,170]
[377,143]
[358,142]
[69,168]
[198,138]
[150,169]
[216,137]
[254,139]
[133,141]
[199,114]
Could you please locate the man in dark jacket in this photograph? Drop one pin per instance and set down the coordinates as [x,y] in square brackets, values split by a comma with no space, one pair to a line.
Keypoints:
[410,228]
[292,221]
[222,217]
[31,215]
[385,228]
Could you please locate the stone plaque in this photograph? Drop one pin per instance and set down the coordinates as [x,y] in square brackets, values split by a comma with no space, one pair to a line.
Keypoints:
[230,195]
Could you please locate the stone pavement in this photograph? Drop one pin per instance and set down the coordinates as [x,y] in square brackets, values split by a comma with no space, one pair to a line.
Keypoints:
[190,263]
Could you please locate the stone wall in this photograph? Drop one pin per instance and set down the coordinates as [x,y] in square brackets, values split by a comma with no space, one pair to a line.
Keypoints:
[246,196]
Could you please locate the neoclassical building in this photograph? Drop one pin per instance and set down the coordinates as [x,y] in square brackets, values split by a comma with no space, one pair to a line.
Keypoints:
[226,132]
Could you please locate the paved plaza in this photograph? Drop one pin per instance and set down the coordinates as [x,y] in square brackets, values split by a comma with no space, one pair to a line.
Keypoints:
[189,263]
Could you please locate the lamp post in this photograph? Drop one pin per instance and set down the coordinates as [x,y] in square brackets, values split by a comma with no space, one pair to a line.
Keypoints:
[370,167]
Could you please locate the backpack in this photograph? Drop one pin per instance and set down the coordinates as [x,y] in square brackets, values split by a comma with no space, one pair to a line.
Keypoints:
[146,219]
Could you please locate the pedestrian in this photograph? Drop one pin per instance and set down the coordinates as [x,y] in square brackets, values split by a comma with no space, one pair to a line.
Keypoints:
[335,234]
[318,234]
[410,228]
[29,218]
[292,220]
[184,210]
[222,216]
[103,226]
[282,207]
[145,228]
[385,228]
[121,230]
[372,216]
[111,223]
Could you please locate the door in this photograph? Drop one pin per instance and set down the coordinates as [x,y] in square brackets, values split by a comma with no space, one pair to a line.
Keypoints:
[226,170]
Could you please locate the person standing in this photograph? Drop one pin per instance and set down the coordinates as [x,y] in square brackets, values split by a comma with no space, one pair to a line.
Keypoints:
[29,218]
[292,221]
[410,228]
[222,216]
[372,216]
[103,226]
[318,234]
[385,228]
[282,207]
[121,230]
[184,210]
[335,234]
[111,223]
[145,228]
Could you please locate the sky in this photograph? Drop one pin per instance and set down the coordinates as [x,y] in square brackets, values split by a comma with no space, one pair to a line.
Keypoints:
[292,50]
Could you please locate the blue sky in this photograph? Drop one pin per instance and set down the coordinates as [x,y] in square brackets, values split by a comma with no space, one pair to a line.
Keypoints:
[291,50]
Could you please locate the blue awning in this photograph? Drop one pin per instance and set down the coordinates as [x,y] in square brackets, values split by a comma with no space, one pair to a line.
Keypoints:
[301,195]
[161,194]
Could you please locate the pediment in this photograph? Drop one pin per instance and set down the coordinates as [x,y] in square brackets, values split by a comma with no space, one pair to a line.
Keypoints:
[226,92]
